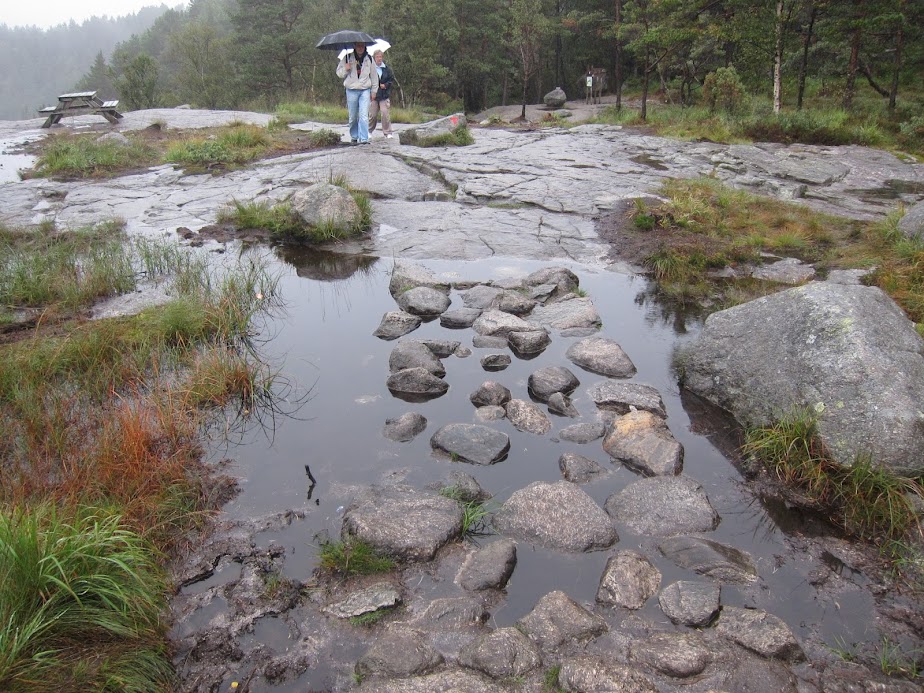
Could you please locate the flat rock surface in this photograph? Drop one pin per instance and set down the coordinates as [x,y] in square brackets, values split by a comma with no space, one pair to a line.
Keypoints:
[558,516]
[471,443]
[663,507]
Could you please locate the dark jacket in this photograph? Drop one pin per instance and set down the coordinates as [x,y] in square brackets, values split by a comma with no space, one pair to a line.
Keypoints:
[385,82]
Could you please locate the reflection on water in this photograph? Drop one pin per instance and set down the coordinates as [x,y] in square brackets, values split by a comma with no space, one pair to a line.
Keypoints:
[324,265]
[669,310]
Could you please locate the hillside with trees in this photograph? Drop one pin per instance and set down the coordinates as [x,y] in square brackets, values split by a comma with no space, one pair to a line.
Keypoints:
[38,64]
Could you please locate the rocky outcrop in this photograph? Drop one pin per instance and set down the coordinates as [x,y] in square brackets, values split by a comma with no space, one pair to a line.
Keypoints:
[846,353]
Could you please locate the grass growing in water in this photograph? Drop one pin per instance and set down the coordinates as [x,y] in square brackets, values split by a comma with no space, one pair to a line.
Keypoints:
[475,513]
[73,581]
[352,557]
[868,501]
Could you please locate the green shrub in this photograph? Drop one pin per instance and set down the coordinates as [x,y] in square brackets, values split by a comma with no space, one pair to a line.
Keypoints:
[911,132]
[723,90]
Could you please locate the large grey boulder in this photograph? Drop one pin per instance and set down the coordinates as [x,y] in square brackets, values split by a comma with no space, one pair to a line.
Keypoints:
[496,323]
[845,351]
[642,441]
[435,128]
[557,618]
[324,203]
[558,516]
[555,98]
[471,443]
[403,522]
[663,506]
[912,224]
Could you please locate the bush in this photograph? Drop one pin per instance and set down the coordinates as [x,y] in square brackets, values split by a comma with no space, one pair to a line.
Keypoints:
[723,89]
[911,132]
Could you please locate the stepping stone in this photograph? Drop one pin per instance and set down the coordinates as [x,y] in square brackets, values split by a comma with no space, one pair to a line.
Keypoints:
[643,442]
[601,355]
[663,506]
[403,522]
[557,619]
[400,653]
[405,427]
[365,601]
[423,301]
[490,394]
[545,382]
[619,397]
[595,674]
[459,318]
[416,385]
[710,558]
[527,417]
[582,433]
[472,443]
[680,655]
[568,313]
[504,653]
[556,515]
[529,343]
[692,604]
[407,275]
[396,323]
[760,632]
[489,567]
[495,323]
[629,580]
[411,353]
[578,469]
[495,362]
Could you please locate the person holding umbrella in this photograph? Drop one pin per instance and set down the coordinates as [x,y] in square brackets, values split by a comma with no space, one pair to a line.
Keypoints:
[361,81]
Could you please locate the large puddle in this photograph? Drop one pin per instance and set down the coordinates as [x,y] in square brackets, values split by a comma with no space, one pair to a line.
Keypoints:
[324,343]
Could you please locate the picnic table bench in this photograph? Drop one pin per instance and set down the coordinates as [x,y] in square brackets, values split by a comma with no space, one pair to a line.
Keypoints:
[80,103]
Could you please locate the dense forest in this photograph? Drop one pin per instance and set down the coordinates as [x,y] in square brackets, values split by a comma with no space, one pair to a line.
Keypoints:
[472,54]
[477,53]
[38,64]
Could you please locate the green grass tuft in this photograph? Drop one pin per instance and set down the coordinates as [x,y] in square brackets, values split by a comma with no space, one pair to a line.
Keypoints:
[352,557]
[74,581]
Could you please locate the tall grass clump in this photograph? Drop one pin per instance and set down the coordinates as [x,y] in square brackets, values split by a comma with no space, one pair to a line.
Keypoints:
[83,155]
[867,499]
[234,145]
[75,584]
[44,266]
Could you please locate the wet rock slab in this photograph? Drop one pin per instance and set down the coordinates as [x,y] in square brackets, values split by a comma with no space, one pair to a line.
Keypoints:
[710,558]
[601,355]
[449,681]
[472,443]
[556,515]
[365,601]
[503,653]
[399,653]
[403,522]
[628,581]
[489,567]
[693,604]
[760,632]
[596,675]
[663,507]
[679,655]
[557,619]
[642,441]
[621,397]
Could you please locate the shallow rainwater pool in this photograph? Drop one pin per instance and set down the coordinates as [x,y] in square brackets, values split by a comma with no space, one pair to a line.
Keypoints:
[323,342]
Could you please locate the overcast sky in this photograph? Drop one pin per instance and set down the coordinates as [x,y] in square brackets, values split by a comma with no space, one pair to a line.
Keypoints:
[49,13]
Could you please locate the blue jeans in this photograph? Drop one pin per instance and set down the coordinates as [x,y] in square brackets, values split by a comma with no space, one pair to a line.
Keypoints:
[358,107]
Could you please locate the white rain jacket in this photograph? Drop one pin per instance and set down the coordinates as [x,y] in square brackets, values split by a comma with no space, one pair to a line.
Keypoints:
[366,78]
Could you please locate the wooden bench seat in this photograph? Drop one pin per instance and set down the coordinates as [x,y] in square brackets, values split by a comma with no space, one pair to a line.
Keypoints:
[47,109]
[110,104]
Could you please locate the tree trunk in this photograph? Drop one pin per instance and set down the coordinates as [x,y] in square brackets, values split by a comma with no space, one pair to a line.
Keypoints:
[852,67]
[803,66]
[558,49]
[778,60]
[525,85]
[618,65]
[897,66]
[504,92]
[647,74]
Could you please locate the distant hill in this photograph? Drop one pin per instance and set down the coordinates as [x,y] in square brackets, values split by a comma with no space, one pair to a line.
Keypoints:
[38,64]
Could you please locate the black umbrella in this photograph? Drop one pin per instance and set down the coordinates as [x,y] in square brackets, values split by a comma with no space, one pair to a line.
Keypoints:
[344,39]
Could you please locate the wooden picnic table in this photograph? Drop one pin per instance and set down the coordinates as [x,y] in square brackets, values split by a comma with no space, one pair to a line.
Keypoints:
[80,103]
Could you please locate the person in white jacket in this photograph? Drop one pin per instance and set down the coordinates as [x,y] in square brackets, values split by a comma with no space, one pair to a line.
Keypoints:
[361,81]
